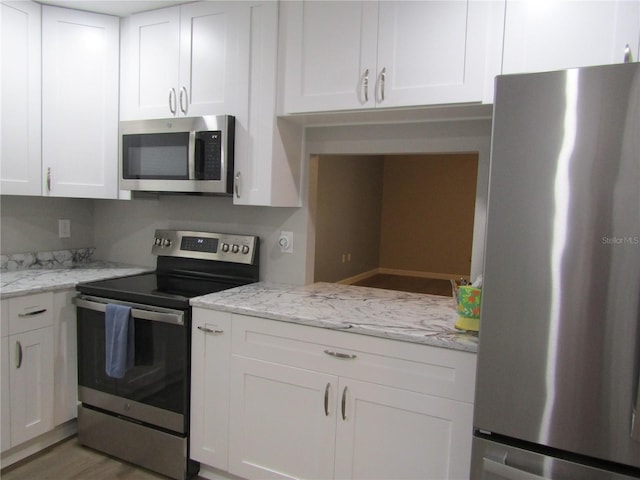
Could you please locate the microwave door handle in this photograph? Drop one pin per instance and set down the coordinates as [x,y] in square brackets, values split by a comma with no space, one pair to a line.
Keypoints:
[192,156]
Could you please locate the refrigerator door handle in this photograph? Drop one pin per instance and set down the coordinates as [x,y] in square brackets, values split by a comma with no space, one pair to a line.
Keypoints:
[508,473]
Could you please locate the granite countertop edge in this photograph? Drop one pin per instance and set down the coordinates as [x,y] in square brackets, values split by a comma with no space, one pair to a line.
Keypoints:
[17,283]
[409,317]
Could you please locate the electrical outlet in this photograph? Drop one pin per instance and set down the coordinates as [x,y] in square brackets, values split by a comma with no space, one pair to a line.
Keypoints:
[286,242]
[64,228]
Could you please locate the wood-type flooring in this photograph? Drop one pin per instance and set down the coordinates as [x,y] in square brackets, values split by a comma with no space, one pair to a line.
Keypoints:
[68,460]
[431,286]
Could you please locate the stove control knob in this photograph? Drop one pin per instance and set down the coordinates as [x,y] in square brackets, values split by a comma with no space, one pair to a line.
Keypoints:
[245,249]
[235,248]
[166,242]
[157,241]
[225,247]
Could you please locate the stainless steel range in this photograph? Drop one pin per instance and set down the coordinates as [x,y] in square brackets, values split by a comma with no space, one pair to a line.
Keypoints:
[140,411]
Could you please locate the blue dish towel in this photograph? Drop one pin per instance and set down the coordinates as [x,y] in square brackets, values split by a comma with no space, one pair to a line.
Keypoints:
[119,340]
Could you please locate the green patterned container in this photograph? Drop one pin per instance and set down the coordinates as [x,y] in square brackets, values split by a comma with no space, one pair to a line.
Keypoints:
[469,300]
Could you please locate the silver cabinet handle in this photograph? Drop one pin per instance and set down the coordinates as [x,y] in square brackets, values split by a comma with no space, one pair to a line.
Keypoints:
[31,314]
[48,179]
[383,80]
[507,472]
[236,184]
[628,56]
[172,101]
[209,330]
[18,354]
[344,403]
[326,400]
[183,94]
[346,356]
[365,85]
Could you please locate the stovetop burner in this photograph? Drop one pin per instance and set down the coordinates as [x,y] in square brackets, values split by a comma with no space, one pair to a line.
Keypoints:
[189,264]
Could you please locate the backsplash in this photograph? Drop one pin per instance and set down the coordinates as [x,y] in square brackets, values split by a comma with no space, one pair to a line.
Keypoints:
[49,260]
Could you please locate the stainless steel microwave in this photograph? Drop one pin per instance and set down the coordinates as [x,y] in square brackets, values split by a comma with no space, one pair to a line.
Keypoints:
[177,155]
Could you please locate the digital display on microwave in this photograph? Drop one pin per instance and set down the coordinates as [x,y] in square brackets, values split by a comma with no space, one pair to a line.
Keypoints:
[162,156]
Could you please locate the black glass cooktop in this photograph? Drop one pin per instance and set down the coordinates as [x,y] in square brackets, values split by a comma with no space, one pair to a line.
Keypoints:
[162,290]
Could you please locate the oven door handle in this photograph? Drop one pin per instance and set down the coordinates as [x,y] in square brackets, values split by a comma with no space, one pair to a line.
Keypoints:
[175,317]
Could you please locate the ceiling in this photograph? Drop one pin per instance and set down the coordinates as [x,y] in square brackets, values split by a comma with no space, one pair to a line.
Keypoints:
[121,8]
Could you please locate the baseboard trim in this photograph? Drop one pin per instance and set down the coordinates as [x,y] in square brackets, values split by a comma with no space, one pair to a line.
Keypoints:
[359,277]
[402,273]
[35,445]
[419,274]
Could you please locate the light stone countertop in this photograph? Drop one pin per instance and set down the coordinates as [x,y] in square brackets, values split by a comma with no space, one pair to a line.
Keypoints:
[411,317]
[36,280]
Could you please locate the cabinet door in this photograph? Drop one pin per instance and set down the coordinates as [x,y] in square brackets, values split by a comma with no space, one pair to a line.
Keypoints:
[79,103]
[20,155]
[65,356]
[386,432]
[431,52]
[150,64]
[210,353]
[330,55]
[31,384]
[281,424]
[268,149]
[212,62]
[5,400]
[541,36]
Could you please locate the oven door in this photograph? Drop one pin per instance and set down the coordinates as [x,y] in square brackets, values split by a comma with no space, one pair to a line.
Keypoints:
[155,390]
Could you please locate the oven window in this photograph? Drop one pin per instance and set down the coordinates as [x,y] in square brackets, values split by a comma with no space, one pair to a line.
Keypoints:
[156,156]
[159,376]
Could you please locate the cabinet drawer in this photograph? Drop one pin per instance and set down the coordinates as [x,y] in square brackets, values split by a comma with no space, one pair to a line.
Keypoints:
[410,366]
[30,312]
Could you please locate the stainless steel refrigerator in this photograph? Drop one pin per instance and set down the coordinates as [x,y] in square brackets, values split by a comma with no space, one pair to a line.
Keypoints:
[558,361]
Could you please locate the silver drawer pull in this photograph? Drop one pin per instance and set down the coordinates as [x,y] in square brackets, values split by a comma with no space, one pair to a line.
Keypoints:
[18,354]
[346,356]
[31,314]
[209,330]
[344,404]
[326,400]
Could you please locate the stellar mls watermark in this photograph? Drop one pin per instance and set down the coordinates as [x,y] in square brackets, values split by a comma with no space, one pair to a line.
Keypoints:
[624,240]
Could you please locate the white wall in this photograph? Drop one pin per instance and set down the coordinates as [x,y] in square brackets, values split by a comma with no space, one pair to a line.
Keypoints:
[124,229]
[30,224]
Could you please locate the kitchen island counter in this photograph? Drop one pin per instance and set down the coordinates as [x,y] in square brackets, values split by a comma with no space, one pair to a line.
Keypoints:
[411,317]
[36,280]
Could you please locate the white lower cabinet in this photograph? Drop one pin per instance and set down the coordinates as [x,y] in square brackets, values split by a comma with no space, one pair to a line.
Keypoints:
[38,366]
[27,362]
[386,432]
[211,354]
[279,426]
[5,415]
[31,384]
[65,357]
[307,402]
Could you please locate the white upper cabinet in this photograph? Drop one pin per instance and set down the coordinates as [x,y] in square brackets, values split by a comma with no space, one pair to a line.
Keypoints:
[363,54]
[79,103]
[268,149]
[20,157]
[559,34]
[183,61]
